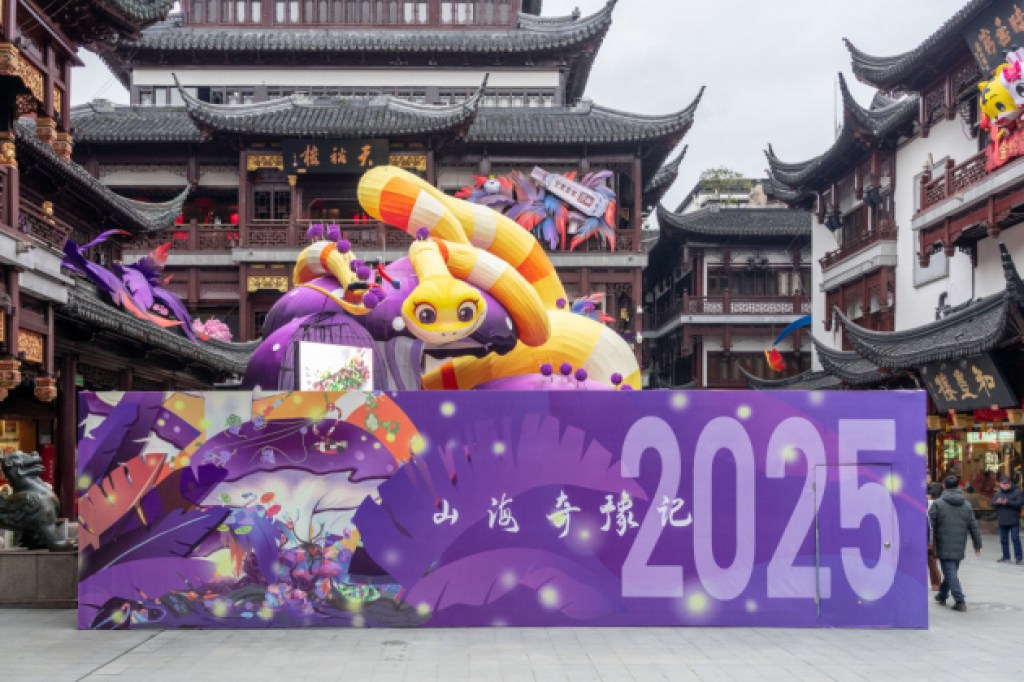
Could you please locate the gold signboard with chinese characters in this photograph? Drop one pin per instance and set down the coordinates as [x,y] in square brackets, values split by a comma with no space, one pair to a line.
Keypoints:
[255,162]
[973,383]
[302,156]
[996,30]
[266,283]
[409,162]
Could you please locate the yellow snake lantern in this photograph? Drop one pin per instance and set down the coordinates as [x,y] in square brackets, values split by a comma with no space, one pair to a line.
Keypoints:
[462,249]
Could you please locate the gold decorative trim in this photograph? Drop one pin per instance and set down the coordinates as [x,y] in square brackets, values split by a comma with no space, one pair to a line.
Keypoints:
[62,144]
[46,128]
[413,162]
[256,283]
[8,155]
[255,162]
[13,64]
[31,345]
[56,100]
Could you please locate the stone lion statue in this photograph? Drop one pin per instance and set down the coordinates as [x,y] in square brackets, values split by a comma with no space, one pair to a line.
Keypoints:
[32,508]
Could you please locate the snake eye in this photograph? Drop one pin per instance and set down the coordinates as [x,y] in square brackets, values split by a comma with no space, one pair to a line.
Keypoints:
[467,311]
[426,314]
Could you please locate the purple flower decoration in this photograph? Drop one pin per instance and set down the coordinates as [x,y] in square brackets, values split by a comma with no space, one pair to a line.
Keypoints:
[565,369]
[422,234]
[546,369]
[561,303]
[315,232]
[344,246]
[333,233]
[581,375]
[616,379]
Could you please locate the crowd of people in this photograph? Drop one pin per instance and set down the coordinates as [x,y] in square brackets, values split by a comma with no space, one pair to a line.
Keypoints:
[951,521]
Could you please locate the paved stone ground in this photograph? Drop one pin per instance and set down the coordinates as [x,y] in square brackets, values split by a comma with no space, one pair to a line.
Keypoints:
[43,645]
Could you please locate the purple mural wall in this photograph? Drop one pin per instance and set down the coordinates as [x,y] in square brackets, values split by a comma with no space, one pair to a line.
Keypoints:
[537,508]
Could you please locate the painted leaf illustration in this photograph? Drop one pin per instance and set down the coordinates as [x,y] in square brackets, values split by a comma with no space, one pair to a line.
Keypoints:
[176,534]
[97,450]
[106,502]
[482,578]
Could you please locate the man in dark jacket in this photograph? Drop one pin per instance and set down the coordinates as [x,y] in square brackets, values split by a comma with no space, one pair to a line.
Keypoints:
[1007,502]
[952,521]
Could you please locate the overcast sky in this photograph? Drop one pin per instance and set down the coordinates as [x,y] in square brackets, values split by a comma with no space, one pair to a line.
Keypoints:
[769,67]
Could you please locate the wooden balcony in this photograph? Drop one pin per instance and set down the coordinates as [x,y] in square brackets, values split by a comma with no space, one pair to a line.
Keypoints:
[370,235]
[43,227]
[729,305]
[956,179]
[856,246]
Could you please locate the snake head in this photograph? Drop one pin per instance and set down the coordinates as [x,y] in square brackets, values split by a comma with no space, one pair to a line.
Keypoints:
[442,311]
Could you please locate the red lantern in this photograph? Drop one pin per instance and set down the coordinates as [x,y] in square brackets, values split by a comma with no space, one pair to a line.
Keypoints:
[205,203]
[180,220]
[233,219]
[775,361]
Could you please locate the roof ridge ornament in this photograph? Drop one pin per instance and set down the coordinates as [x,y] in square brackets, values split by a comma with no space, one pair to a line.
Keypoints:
[1014,285]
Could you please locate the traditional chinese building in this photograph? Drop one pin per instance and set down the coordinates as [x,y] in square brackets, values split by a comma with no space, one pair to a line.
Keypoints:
[58,333]
[271,111]
[728,273]
[916,237]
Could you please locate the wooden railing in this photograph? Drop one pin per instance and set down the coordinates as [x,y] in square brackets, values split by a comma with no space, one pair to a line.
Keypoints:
[369,235]
[956,179]
[729,305]
[44,228]
[857,245]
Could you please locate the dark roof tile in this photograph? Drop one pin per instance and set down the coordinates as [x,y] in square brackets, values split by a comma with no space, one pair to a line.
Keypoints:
[717,222]
[101,121]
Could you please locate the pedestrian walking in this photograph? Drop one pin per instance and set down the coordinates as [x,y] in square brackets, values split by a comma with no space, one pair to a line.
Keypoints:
[952,520]
[934,491]
[1007,502]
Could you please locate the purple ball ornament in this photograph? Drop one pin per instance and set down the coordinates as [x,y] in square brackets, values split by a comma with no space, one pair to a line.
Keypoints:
[315,232]
[625,387]
[565,369]
[344,246]
[546,369]
[355,265]
[581,375]
[616,379]
[561,303]
[363,272]
[333,233]
[371,300]
[422,234]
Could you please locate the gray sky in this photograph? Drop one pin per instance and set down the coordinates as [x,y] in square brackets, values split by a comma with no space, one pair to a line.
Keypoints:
[769,67]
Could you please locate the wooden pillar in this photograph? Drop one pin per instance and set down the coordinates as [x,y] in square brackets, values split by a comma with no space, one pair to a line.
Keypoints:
[193,287]
[293,215]
[698,274]
[584,282]
[51,67]
[431,168]
[13,290]
[244,323]
[637,300]
[124,379]
[243,197]
[49,362]
[67,443]
[638,200]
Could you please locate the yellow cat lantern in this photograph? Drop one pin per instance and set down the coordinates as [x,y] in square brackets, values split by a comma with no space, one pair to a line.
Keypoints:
[999,100]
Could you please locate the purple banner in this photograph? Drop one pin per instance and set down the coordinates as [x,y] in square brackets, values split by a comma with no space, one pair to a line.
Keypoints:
[553,508]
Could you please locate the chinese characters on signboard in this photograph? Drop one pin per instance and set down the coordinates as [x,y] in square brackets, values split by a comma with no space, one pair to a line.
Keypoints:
[303,155]
[969,384]
[994,32]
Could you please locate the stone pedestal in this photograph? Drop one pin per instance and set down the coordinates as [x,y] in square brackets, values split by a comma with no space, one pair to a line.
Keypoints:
[38,579]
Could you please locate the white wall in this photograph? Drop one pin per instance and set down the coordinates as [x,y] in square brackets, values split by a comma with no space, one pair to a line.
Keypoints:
[822,241]
[915,305]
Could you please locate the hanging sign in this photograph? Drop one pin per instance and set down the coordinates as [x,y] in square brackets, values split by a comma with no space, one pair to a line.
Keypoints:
[968,384]
[586,201]
[996,29]
[315,156]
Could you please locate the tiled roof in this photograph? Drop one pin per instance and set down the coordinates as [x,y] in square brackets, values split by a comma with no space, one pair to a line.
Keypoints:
[892,116]
[97,21]
[137,216]
[584,123]
[86,305]
[662,180]
[805,381]
[717,222]
[786,194]
[334,116]
[903,71]
[976,328]
[575,36]
[848,366]
[101,121]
